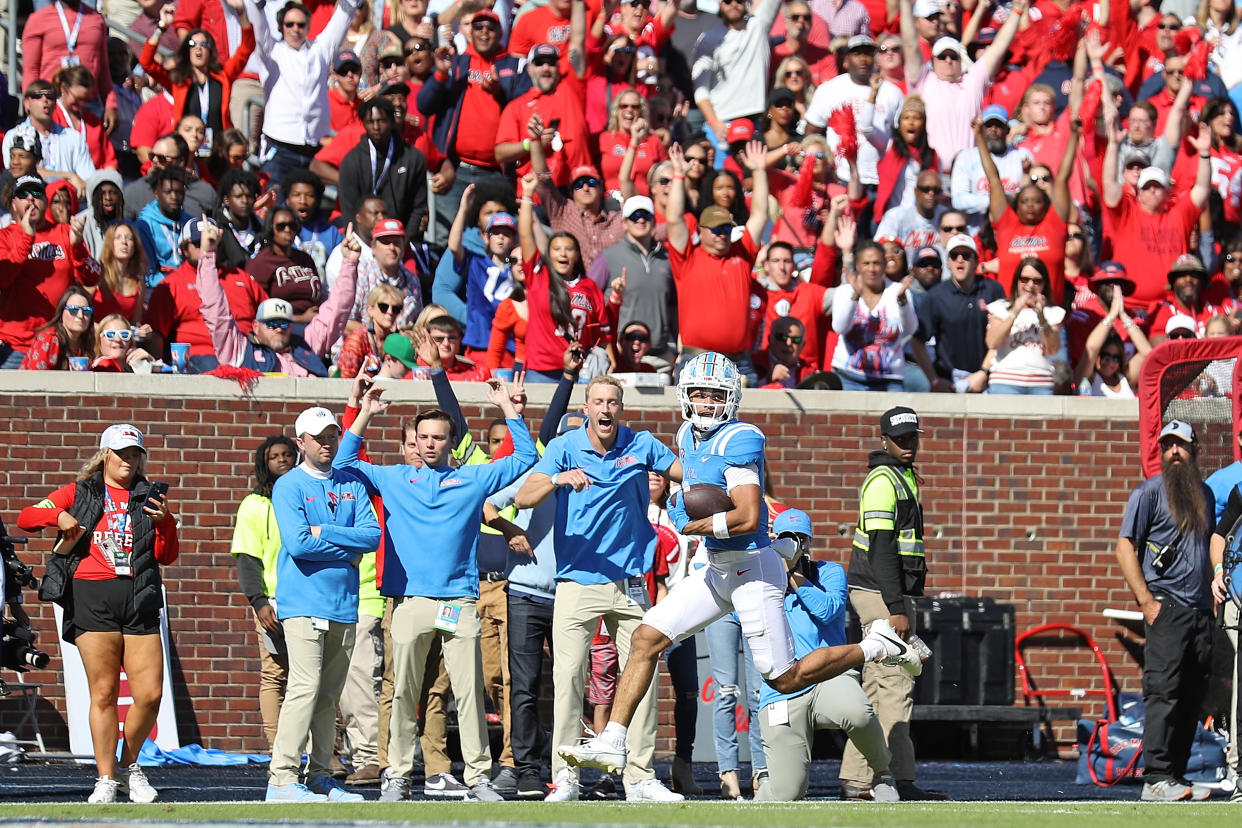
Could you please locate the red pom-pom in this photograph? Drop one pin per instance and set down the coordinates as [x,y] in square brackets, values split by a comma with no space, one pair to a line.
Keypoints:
[842,122]
[245,377]
[1185,39]
[1197,61]
[1064,37]
[1089,109]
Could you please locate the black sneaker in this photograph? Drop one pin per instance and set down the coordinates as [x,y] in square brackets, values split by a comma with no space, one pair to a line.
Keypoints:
[530,785]
[505,782]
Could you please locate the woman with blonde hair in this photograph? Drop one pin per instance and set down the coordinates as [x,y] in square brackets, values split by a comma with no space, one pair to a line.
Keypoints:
[115,531]
[116,345]
[628,130]
[366,40]
[794,74]
[121,289]
[363,349]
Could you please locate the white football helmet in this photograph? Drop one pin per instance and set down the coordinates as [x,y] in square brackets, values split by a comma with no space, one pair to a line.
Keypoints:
[715,372]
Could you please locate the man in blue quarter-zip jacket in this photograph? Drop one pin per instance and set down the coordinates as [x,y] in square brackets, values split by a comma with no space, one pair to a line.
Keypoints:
[431,517]
[815,605]
[326,525]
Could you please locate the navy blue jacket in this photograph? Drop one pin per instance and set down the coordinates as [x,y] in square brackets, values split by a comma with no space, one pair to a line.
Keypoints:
[442,97]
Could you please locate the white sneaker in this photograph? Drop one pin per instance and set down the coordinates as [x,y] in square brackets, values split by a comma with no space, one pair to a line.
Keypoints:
[136,785]
[650,790]
[565,788]
[884,788]
[896,652]
[595,752]
[105,791]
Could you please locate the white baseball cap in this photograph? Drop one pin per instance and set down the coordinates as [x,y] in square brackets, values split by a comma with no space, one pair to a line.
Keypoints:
[948,44]
[926,8]
[314,421]
[1150,174]
[1181,430]
[961,240]
[635,203]
[1180,322]
[121,436]
[274,309]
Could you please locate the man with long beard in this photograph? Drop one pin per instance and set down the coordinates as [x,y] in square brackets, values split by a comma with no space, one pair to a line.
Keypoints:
[1163,552]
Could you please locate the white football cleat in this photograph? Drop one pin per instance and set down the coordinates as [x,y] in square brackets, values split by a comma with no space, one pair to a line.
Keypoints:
[595,752]
[897,653]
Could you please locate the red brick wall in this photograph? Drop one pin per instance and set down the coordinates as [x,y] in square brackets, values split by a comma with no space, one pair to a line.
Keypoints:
[1023,509]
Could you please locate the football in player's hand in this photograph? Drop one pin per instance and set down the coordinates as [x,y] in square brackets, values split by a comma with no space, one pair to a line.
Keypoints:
[704,500]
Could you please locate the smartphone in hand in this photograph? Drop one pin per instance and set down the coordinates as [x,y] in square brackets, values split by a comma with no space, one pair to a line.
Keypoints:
[158,490]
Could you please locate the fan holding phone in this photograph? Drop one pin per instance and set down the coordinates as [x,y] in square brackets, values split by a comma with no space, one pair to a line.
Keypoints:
[116,530]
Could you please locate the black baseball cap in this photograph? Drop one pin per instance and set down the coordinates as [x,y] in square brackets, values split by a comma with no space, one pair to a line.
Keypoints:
[899,421]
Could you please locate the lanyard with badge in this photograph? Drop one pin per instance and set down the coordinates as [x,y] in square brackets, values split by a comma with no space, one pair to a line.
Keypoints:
[112,542]
[379,179]
[71,36]
[204,110]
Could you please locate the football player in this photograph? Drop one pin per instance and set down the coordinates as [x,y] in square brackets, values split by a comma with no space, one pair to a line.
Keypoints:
[747,571]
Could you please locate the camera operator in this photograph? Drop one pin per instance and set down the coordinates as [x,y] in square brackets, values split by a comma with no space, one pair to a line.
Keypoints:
[17,650]
[115,530]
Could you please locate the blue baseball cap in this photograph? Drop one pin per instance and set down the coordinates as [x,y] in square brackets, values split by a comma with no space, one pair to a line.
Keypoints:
[792,520]
[995,112]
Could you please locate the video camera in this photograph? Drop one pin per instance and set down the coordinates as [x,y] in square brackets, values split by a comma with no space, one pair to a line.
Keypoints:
[17,650]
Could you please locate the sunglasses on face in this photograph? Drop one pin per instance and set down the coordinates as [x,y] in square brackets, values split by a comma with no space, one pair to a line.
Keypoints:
[197,43]
[1174,73]
[1135,165]
[949,57]
[1030,280]
[165,159]
[389,62]
[733,2]
[641,215]
[79,310]
[694,159]
[284,226]
[123,336]
[45,94]
[959,254]
[888,50]
[277,324]
[664,182]
[789,339]
[1169,27]
[796,73]
[957,228]
[583,183]
[545,61]
[623,50]
[936,190]
[479,25]
[349,70]
[724,230]
[1233,257]
[799,17]
[630,106]
[637,336]
[1111,358]
[1181,335]
[1041,179]
[295,24]
[1075,237]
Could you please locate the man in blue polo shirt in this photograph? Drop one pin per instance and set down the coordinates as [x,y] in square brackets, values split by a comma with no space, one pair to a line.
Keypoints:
[431,517]
[604,544]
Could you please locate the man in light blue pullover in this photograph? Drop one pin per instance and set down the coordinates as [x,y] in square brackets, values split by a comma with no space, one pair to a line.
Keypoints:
[431,517]
[815,605]
[326,525]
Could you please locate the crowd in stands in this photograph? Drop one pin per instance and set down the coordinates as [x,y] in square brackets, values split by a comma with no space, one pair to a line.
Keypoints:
[924,195]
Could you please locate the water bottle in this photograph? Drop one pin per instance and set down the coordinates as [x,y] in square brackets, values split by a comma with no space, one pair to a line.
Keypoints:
[919,646]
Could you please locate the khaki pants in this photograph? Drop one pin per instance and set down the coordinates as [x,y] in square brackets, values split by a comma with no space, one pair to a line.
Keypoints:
[360,697]
[273,676]
[494,617]
[836,704]
[891,691]
[575,618]
[318,662]
[1231,630]
[433,703]
[243,89]
[413,631]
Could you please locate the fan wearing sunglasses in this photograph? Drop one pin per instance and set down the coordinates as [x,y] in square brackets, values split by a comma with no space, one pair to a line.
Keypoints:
[780,365]
[201,84]
[116,345]
[68,334]
[284,271]
[272,346]
[363,349]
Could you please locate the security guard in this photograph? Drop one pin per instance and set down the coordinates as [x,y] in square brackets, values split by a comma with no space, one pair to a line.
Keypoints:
[887,568]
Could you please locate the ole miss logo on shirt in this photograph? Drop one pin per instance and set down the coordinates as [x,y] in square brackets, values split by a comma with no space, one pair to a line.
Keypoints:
[622,462]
